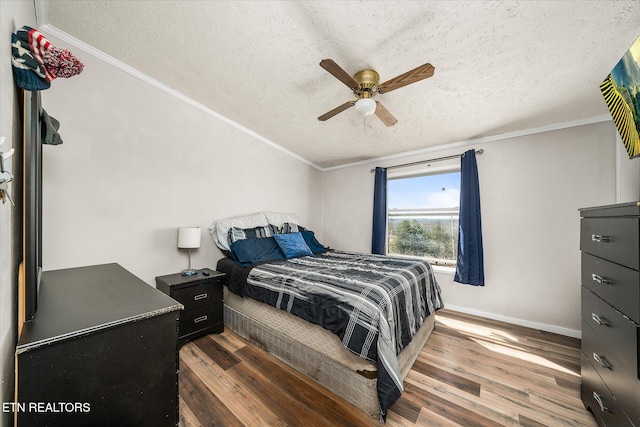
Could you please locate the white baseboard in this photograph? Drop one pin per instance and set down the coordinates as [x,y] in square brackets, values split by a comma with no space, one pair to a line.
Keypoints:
[520,322]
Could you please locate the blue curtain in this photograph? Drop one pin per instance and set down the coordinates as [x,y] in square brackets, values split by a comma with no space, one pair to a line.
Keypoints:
[378,241]
[470,267]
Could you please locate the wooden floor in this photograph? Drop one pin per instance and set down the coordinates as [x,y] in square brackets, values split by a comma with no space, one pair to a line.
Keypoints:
[472,372]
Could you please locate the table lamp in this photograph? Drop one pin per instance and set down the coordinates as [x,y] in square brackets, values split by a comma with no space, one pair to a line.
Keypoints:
[189,238]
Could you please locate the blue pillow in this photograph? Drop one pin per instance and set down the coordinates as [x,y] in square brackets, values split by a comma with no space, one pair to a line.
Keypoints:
[292,245]
[251,251]
[311,241]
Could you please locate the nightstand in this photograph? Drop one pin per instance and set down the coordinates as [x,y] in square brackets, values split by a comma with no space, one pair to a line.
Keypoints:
[201,295]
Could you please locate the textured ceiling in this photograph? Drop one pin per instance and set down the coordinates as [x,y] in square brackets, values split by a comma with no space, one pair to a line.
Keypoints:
[500,66]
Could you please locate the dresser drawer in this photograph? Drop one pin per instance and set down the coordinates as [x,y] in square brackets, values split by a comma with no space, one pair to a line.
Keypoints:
[614,239]
[623,384]
[199,295]
[618,334]
[617,285]
[200,318]
[597,397]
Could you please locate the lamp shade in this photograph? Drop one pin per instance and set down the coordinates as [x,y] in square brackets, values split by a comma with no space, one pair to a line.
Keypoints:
[189,237]
[365,106]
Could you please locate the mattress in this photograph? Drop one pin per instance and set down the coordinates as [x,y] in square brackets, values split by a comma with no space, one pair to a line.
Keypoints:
[320,339]
[314,351]
[308,334]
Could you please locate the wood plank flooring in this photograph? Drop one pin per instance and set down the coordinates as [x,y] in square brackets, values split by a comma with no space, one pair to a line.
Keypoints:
[472,372]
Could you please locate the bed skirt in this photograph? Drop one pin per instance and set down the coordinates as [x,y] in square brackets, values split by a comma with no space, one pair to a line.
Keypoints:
[354,387]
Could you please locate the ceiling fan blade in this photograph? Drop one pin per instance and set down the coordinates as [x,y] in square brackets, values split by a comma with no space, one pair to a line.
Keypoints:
[336,110]
[384,115]
[415,75]
[339,73]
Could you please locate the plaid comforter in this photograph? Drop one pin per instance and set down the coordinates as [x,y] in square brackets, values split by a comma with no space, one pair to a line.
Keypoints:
[374,303]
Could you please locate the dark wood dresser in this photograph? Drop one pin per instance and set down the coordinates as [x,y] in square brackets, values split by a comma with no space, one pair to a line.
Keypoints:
[610,244]
[101,350]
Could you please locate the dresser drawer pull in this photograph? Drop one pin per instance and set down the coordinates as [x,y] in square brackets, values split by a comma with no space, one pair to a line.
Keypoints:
[205,317]
[201,296]
[599,320]
[601,402]
[600,239]
[600,360]
[600,279]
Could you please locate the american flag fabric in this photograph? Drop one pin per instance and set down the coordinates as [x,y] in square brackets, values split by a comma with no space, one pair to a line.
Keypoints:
[36,62]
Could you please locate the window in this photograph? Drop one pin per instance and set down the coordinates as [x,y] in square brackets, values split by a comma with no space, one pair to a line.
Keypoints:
[422,214]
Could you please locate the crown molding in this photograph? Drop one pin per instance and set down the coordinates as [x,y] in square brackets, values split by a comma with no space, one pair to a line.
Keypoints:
[67,38]
[476,141]
[41,9]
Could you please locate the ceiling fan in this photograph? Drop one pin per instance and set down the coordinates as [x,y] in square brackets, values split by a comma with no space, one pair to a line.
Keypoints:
[364,85]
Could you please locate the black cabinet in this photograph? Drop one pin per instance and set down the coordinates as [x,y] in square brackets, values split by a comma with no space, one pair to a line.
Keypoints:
[201,295]
[101,350]
[610,244]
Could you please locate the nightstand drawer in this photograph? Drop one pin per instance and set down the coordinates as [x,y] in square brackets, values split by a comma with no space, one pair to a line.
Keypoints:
[199,295]
[614,239]
[200,318]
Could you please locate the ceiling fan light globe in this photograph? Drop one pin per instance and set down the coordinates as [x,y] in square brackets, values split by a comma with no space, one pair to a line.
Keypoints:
[365,106]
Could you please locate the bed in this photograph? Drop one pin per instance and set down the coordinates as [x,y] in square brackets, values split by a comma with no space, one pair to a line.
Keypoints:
[353,322]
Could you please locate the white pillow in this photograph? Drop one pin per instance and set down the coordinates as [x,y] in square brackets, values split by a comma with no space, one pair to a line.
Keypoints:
[220,228]
[279,218]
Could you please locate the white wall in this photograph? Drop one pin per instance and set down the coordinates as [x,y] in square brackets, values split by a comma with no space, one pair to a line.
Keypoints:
[531,189]
[628,175]
[13,15]
[137,163]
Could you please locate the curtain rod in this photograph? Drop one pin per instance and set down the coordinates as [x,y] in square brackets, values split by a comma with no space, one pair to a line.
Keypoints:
[480,151]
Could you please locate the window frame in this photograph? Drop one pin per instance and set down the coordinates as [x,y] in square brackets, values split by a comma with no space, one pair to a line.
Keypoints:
[415,173]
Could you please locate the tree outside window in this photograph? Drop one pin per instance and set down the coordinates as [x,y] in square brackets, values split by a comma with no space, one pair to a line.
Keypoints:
[423,217]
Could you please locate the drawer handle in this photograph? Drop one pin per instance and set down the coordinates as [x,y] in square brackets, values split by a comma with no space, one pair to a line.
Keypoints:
[201,296]
[600,279]
[599,320]
[601,402]
[600,360]
[600,239]
[205,317]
